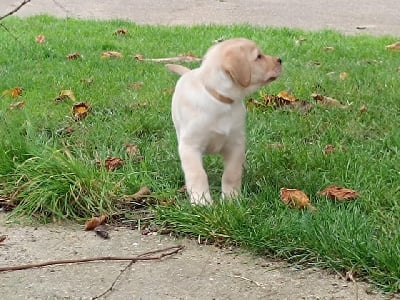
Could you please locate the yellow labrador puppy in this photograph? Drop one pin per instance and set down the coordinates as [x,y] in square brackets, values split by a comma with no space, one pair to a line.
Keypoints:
[209,114]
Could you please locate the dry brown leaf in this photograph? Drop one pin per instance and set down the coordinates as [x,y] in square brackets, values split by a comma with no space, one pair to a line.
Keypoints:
[138,56]
[296,199]
[14,92]
[40,39]
[283,99]
[328,101]
[135,85]
[363,108]
[329,149]
[68,130]
[287,96]
[143,191]
[343,75]
[112,163]
[3,238]
[64,95]
[88,81]
[94,222]
[394,46]
[338,193]
[350,275]
[109,54]
[182,189]
[314,63]
[300,40]
[17,105]
[74,55]
[121,31]
[101,230]
[131,150]
[80,111]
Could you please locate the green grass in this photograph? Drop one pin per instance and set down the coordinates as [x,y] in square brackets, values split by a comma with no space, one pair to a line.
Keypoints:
[53,175]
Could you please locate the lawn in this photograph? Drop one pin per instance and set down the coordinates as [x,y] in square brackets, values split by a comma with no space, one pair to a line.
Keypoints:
[56,165]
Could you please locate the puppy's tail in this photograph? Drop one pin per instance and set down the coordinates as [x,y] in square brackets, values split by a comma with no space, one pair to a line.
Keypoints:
[178,69]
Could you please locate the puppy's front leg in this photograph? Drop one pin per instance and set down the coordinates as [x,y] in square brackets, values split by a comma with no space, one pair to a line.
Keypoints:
[234,157]
[195,176]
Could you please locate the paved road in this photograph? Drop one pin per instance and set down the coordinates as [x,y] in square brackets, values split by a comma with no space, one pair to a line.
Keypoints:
[372,16]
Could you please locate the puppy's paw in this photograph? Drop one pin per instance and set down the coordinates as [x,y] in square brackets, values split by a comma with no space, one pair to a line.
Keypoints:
[203,199]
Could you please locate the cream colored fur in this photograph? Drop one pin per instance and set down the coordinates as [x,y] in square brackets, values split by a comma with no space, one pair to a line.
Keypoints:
[209,114]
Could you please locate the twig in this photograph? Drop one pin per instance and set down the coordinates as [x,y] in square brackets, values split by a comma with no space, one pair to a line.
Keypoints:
[9,14]
[250,280]
[139,257]
[172,59]
[15,9]
[142,257]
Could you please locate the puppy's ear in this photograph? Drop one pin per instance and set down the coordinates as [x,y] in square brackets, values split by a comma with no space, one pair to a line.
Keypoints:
[236,65]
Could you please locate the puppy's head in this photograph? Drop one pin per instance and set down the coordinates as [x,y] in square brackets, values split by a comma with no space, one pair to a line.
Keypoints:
[245,63]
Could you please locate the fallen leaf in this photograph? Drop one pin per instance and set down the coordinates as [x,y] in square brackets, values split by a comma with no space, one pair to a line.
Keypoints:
[143,191]
[314,63]
[328,48]
[287,96]
[14,92]
[101,230]
[283,99]
[395,46]
[136,85]
[363,108]
[40,39]
[350,276]
[64,95]
[170,90]
[94,222]
[329,149]
[3,238]
[296,199]
[300,40]
[112,163]
[74,55]
[167,202]
[338,193]
[138,56]
[109,54]
[343,75]
[328,101]
[65,131]
[89,80]
[182,189]
[121,31]
[18,105]
[131,150]
[80,110]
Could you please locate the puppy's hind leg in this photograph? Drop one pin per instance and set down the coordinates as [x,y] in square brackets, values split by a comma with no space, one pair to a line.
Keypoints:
[195,176]
[234,157]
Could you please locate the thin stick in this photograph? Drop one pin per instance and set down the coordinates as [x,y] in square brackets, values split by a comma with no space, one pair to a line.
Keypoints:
[15,9]
[142,257]
[172,59]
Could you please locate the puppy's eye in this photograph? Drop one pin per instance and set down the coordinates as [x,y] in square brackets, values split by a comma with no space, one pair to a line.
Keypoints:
[259,56]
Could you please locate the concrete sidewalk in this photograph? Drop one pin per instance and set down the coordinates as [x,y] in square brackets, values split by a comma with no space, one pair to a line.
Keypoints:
[351,17]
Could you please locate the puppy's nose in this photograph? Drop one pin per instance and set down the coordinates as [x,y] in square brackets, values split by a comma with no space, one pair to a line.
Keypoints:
[279,60]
